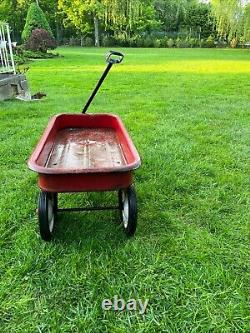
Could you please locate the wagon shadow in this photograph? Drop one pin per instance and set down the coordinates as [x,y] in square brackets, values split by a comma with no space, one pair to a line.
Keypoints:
[84,228]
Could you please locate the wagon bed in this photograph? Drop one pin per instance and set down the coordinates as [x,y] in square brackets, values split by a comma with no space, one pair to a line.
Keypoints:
[80,152]
[86,148]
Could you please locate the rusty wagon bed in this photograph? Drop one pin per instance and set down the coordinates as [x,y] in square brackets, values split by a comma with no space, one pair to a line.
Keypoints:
[83,152]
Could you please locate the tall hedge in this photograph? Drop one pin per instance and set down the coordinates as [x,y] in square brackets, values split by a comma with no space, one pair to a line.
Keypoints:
[35,19]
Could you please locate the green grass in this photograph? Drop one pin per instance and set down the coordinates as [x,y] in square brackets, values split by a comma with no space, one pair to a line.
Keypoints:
[187,112]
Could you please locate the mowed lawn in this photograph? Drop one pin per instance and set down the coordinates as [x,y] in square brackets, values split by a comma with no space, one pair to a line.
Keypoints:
[188,113]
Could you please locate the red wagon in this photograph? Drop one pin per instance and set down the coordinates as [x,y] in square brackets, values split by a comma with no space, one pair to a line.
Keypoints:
[83,153]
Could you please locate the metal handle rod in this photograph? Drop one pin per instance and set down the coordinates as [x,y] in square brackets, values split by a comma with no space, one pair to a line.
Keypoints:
[3,50]
[105,73]
[10,49]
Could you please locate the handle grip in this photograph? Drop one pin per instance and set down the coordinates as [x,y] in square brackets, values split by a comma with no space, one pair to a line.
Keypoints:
[114,60]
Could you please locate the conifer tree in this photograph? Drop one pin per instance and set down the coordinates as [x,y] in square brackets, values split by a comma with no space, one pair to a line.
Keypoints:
[35,19]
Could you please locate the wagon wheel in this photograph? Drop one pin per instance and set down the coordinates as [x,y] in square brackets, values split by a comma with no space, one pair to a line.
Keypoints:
[128,210]
[55,203]
[47,208]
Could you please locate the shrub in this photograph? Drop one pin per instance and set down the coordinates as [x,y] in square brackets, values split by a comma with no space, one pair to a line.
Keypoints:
[192,42]
[157,43]
[40,40]
[22,55]
[220,43]
[122,40]
[148,42]
[164,41]
[29,54]
[202,43]
[139,42]
[178,42]
[108,41]
[185,42]
[234,42]
[181,42]
[74,41]
[65,41]
[88,41]
[210,42]
[19,56]
[35,19]
[242,42]
[133,41]
[170,42]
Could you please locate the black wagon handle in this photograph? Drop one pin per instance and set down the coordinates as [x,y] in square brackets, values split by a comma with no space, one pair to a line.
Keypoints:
[113,57]
[114,60]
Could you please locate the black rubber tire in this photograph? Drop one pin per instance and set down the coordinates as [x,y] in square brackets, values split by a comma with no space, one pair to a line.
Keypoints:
[128,202]
[55,201]
[46,214]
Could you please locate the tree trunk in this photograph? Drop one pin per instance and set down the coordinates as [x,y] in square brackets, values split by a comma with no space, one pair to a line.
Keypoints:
[97,37]
[58,33]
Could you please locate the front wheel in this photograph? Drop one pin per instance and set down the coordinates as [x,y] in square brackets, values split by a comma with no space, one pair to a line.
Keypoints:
[47,206]
[128,210]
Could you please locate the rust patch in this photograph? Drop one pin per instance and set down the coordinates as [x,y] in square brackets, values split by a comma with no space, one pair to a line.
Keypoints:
[86,148]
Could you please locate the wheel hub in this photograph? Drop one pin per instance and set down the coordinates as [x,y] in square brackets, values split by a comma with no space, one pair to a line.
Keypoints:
[125,209]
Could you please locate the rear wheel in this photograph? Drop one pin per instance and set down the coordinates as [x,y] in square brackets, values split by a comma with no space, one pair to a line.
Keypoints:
[128,210]
[47,207]
[55,203]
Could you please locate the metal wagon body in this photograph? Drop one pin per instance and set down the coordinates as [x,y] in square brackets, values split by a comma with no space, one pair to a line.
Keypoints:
[84,153]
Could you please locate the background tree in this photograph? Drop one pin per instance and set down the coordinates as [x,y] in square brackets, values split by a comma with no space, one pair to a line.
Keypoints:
[129,22]
[232,20]
[83,15]
[12,12]
[54,18]
[119,18]
[169,14]
[246,23]
[129,17]
[199,19]
[35,19]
